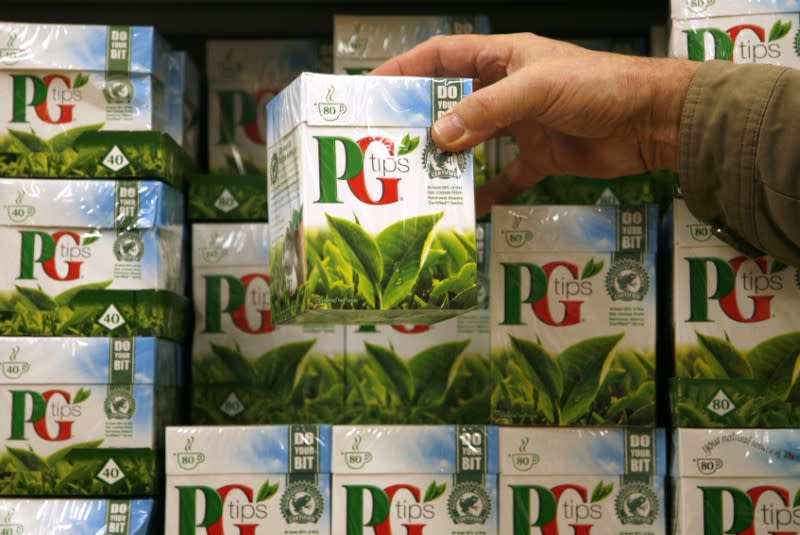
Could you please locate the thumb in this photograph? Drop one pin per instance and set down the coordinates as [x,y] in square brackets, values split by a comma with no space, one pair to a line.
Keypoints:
[482,114]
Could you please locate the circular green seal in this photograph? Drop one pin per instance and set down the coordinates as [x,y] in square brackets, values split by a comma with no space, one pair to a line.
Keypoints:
[273,169]
[302,503]
[469,503]
[118,90]
[627,280]
[119,405]
[129,247]
[636,504]
[441,164]
[797,43]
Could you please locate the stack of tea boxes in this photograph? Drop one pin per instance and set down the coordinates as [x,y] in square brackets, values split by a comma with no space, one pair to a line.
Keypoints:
[91,298]
[736,330]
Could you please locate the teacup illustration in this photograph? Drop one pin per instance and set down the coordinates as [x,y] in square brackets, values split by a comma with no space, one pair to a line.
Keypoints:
[20,212]
[517,238]
[524,461]
[190,459]
[13,369]
[709,465]
[700,232]
[356,459]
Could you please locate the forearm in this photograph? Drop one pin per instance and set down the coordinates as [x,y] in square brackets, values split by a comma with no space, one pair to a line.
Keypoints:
[738,161]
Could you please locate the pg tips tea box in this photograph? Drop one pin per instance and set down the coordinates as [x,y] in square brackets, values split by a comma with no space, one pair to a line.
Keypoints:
[582,481]
[364,208]
[67,238]
[242,77]
[423,374]
[248,480]
[22,516]
[736,333]
[767,38]
[84,416]
[61,80]
[736,481]
[245,369]
[417,480]
[573,314]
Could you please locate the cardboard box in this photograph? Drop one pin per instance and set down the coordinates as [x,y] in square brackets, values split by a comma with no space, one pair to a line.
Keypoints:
[270,479]
[735,335]
[363,204]
[573,314]
[246,370]
[736,481]
[582,480]
[437,479]
[766,38]
[86,415]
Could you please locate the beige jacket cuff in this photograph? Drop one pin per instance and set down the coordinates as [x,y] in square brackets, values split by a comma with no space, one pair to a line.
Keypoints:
[739,153]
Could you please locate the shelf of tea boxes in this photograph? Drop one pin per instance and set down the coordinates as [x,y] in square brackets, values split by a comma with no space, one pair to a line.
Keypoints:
[188,23]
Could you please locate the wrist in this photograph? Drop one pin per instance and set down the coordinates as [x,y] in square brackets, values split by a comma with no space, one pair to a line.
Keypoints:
[669,81]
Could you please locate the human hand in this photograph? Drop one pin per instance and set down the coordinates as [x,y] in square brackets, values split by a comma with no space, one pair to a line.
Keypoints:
[572,111]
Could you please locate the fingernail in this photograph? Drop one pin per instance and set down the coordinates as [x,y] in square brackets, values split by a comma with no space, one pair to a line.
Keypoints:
[449,128]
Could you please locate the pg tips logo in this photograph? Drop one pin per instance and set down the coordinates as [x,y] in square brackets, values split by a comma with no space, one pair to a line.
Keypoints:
[541,287]
[743,43]
[234,509]
[60,254]
[243,300]
[743,288]
[760,510]
[567,509]
[401,509]
[372,167]
[239,111]
[52,97]
[51,414]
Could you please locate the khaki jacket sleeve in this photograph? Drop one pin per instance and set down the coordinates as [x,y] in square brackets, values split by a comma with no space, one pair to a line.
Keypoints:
[739,154]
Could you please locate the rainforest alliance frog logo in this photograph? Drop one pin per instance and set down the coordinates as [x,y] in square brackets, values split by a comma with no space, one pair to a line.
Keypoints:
[636,504]
[120,405]
[627,280]
[469,503]
[129,247]
[302,503]
[441,164]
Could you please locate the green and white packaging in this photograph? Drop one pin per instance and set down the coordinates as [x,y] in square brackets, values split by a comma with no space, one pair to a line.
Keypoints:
[61,80]
[257,479]
[736,334]
[19,516]
[414,479]
[765,38]
[736,481]
[242,77]
[582,481]
[362,42]
[68,234]
[573,314]
[85,416]
[245,369]
[363,205]
[424,374]
[220,198]
[692,9]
